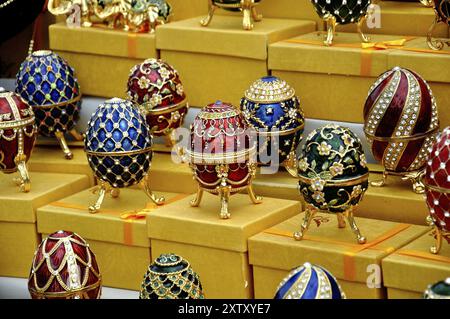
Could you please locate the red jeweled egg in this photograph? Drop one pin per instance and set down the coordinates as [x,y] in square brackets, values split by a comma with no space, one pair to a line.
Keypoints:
[156,87]
[400,121]
[437,183]
[222,153]
[17,135]
[64,267]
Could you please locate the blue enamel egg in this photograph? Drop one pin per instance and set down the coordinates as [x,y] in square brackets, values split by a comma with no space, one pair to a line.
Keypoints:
[271,107]
[118,143]
[309,282]
[48,84]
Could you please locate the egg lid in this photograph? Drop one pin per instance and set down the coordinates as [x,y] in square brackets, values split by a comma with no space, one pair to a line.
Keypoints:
[14,116]
[269,89]
[168,264]
[439,290]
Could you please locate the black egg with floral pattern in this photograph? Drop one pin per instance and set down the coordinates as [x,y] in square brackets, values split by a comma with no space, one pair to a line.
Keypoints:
[333,175]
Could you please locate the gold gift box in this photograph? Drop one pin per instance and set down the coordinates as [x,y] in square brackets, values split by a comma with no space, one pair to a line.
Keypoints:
[410,270]
[221,61]
[117,234]
[51,160]
[330,247]
[102,57]
[216,248]
[18,235]
[392,18]
[346,72]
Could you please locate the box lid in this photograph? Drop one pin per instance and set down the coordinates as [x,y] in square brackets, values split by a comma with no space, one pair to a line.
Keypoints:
[225,36]
[327,245]
[51,159]
[201,226]
[16,206]
[415,261]
[102,41]
[306,53]
[110,223]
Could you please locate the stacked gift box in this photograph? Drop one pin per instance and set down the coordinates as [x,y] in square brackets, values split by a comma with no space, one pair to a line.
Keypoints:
[247,253]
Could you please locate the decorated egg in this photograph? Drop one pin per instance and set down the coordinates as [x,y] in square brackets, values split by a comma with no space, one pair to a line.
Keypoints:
[309,282]
[17,136]
[442,12]
[271,107]
[333,175]
[401,123]
[437,185]
[164,9]
[64,267]
[335,12]
[222,154]
[247,7]
[118,145]
[156,87]
[171,277]
[47,83]
[440,290]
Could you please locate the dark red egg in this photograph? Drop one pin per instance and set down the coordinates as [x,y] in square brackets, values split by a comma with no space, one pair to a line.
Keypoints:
[64,267]
[156,87]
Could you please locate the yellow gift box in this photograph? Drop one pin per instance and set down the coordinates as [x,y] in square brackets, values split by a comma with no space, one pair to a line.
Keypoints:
[18,235]
[392,16]
[222,60]
[117,234]
[216,248]
[410,270]
[274,252]
[51,160]
[102,57]
[346,71]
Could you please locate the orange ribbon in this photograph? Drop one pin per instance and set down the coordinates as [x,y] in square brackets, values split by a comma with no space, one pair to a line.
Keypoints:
[423,255]
[128,217]
[132,45]
[353,249]
[366,49]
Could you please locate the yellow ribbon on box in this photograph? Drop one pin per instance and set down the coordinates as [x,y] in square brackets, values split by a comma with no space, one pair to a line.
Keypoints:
[128,217]
[349,267]
[131,40]
[423,255]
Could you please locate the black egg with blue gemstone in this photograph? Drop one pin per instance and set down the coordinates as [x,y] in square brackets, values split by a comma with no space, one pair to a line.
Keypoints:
[271,107]
[309,282]
[118,145]
[48,84]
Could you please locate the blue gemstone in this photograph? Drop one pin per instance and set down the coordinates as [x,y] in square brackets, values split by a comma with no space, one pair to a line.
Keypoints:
[117,135]
[55,96]
[51,77]
[31,88]
[269,79]
[39,98]
[132,133]
[101,135]
[45,87]
[109,146]
[109,126]
[141,141]
[37,78]
[126,144]
[60,84]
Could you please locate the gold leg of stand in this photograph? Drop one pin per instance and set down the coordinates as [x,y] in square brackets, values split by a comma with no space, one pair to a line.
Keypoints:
[256,16]
[290,164]
[247,11]
[76,135]
[114,192]
[158,200]
[101,196]
[309,215]
[351,220]
[207,20]
[364,38]
[434,44]
[331,29]
[253,197]
[435,249]
[381,182]
[416,179]
[24,179]
[341,220]
[198,198]
[63,143]
[224,193]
